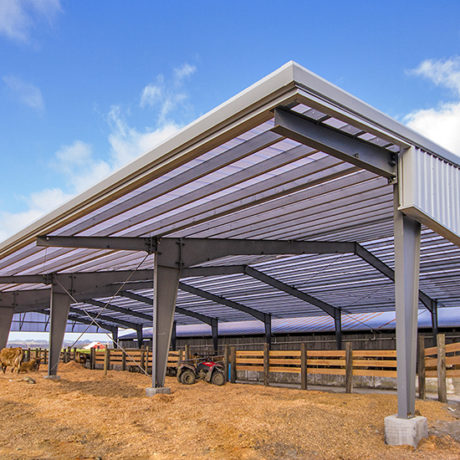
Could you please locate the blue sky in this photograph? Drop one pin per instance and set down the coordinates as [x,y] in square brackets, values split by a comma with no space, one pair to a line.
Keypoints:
[87,86]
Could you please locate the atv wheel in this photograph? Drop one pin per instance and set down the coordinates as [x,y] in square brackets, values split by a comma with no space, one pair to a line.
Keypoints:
[187,377]
[218,378]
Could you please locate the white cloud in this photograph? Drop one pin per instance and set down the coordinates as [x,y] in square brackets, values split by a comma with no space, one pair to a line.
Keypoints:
[167,95]
[441,123]
[441,72]
[128,143]
[183,71]
[17,17]
[27,93]
[38,204]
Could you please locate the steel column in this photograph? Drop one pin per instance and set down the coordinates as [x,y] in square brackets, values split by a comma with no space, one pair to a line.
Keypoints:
[407,260]
[268,328]
[215,334]
[6,317]
[434,321]
[338,329]
[174,336]
[166,282]
[140,336]
[115,337]
[59,312]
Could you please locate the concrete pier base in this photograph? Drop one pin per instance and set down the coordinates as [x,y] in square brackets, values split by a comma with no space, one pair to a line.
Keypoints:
[150,391]
[53,377]
[400,431]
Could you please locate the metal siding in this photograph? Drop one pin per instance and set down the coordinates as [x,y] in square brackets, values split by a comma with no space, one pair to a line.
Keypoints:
[430,191]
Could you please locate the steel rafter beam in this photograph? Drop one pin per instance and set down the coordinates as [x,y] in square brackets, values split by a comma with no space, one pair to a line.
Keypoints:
[261,316]
[116,308]
[329,309]
[383,268]
[107,319]
[79,319]
[199,316]
[335,142]
[186,252]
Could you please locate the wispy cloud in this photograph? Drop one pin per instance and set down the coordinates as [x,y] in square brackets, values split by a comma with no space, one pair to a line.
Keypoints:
[166,94]
[27,93]
[81,168]
[17,17]
[441,123]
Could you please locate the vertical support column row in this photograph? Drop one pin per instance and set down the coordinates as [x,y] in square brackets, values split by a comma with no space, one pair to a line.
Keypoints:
[407,260]
[59,312]
[268,329]
[215,334]
[6,317]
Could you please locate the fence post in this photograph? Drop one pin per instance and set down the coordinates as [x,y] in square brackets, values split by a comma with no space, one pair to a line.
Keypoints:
[143,358]
[187,352]
[303,366]
[37,353]
[123,360]
[266,364]
[226,361]
[92,363]
[181,357]
[233,365]
[147,359]
[421,368]
[348,367]
[75,354]
[442,389]
[106,360]
[45,358]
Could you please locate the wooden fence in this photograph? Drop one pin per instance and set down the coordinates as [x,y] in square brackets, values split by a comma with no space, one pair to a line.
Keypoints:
[347,363]
[441,362]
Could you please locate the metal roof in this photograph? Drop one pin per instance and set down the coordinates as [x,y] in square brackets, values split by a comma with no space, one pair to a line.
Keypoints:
[231,174]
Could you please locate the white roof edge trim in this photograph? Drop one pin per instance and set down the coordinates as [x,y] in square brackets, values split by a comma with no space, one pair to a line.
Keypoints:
[317,85]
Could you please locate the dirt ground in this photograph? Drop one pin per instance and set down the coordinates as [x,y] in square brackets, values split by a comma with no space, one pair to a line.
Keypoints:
[87,415]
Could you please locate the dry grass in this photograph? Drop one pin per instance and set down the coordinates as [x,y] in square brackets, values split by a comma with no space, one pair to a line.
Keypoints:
[89,415]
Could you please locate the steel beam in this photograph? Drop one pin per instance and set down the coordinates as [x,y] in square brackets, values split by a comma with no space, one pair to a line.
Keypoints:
[6,317]
[407,260]
[115,337]
[335,142]
[99,242]
[59,312]
[383,268]
[116,308]
[222,301]
[186,252]
[100,324]
[107,319]
[329,309]
[147,300]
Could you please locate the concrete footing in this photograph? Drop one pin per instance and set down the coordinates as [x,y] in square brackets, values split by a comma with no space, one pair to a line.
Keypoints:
[401,431]
[151,391]
[53,377]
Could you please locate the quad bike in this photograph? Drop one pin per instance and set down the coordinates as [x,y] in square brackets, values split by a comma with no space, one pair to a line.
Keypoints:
[206,370]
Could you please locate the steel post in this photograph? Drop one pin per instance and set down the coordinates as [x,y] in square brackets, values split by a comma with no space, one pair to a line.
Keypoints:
[174,337]
[215,335]
[338,329]
[407,260]
[115,337]
[434,321]
[59,312]
[166,282]
[6,317]
[268,329]
[140,336]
